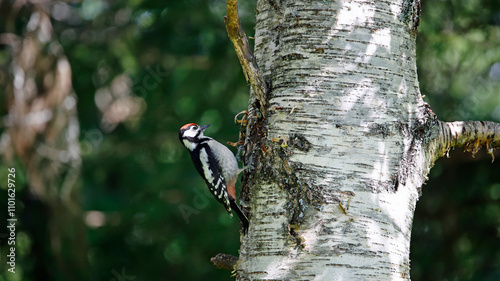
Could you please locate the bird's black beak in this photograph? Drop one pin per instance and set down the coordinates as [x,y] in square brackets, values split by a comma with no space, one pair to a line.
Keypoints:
[204,127]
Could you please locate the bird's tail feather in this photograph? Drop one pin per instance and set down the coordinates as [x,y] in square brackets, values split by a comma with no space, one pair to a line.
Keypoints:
[243,218]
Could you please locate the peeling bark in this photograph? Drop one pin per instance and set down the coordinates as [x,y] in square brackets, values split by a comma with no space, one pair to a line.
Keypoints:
[469,134]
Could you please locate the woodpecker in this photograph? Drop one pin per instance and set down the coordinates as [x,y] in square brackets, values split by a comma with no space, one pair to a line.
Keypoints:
[216,165]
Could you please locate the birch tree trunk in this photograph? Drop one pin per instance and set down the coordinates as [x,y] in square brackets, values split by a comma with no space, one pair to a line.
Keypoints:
[344,143]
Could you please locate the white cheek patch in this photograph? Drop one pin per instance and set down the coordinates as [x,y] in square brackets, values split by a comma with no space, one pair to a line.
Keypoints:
[204,165]
[192,133]
[189,145]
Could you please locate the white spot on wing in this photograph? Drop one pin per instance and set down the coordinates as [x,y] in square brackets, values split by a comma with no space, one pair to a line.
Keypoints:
[204,165]
[218,188]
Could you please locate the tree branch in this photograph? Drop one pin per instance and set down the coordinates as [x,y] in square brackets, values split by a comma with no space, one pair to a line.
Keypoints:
[224,261]
[248,63]
[469,134]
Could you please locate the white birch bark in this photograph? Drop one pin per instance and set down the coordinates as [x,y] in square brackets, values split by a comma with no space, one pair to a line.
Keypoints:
[342,159]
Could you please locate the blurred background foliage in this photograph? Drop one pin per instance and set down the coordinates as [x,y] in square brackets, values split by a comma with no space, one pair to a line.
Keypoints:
[456,230]
[143,68]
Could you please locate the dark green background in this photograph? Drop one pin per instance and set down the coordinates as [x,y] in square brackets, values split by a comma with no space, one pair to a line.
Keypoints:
[140,176]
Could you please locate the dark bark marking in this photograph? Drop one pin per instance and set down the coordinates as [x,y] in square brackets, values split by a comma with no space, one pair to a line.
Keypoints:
[421,135]
[293,56]
[383,130]
[300,142]
[410,14]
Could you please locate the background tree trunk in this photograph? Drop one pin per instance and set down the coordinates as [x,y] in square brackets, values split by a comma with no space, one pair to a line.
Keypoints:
[341,155]
[42,132]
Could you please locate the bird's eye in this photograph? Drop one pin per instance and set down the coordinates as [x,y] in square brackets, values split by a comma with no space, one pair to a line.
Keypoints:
[194,127]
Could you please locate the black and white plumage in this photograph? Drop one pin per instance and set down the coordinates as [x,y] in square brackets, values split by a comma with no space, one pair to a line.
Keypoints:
[216,165]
